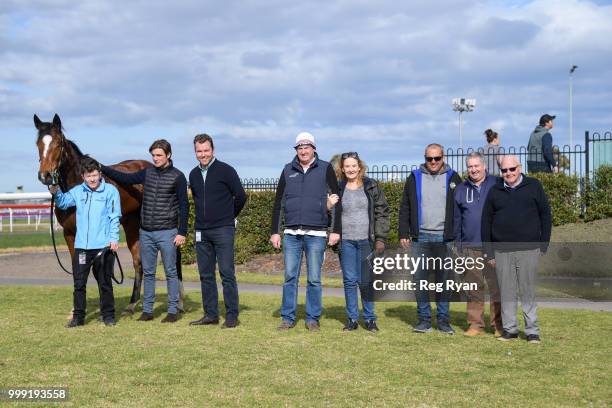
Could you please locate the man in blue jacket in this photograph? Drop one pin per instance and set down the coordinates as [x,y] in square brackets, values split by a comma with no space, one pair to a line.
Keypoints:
[98,210]
[426,217]
[470,197]
[301,199]
[219,197]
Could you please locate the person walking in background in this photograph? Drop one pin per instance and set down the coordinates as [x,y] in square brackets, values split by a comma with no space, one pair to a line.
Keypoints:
[516,228]
[301,200]
[540,157]
[365,227]
[163,227]
[491,153]
[470,197]
[426,217]
[218,197]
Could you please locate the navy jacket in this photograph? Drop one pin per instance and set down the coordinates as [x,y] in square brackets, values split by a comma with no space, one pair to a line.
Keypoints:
[218,201]
[516,219]
[469,203]
[301,198]
[410,207]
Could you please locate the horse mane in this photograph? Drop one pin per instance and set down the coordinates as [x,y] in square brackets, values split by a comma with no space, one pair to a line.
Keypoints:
[75,147]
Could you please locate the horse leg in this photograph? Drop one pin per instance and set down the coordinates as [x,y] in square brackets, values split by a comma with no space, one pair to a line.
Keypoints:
[131,226]
[69,236]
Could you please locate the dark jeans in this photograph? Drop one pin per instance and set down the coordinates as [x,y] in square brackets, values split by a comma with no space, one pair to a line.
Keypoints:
[538,167]
[431,246]
[217,245]
[102,270]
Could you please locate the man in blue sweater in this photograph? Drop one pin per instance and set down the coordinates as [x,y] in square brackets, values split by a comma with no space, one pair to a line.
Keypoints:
[219,197]
[469,199]
[98,210]
[516,228]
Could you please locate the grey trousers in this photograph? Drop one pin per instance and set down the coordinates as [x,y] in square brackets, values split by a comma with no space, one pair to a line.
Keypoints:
[516,274]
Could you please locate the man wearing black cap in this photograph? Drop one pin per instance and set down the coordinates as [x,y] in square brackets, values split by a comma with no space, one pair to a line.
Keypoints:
[540,152]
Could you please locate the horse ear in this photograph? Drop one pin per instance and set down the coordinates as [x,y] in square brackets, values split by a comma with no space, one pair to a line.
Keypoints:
[57,123]
[37,122]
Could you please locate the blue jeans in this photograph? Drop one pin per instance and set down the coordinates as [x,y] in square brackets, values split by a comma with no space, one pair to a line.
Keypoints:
[217,245]
[355,274]
[431,245]
[314,248]
[152,242]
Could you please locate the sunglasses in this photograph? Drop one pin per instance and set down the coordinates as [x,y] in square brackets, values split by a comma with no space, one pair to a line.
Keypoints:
[509,169]
[430,159]
[351,155]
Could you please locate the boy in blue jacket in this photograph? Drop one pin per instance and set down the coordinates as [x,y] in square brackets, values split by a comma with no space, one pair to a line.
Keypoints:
[98,209]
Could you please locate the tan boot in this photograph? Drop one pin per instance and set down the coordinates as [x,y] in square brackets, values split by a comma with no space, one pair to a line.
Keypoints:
[498,333]
[472,332]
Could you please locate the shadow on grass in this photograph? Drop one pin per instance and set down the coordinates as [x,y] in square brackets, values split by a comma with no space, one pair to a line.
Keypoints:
[121,302]
[408,315]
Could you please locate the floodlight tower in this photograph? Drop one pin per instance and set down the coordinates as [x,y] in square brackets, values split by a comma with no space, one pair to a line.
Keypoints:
[571,105]
[463,105]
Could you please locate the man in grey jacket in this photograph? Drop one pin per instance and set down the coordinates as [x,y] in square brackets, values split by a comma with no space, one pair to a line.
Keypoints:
[426,217]
[540,157]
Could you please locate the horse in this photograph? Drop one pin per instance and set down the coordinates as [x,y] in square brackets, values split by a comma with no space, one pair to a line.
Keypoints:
[59,164]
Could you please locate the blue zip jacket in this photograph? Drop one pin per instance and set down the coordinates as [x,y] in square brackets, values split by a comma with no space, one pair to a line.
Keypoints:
[469,204]
[97,214]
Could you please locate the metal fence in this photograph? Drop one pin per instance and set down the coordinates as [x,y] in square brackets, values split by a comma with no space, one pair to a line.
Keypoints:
[573,160]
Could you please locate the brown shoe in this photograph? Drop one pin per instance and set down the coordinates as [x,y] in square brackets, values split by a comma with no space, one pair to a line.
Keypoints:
[313,326]
[498,333]
[473,332]
[285,325]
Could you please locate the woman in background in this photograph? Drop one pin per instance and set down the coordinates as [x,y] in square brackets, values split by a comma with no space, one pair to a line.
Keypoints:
[491,152]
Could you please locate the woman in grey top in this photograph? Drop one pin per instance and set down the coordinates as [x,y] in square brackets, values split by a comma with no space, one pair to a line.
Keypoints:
[491,152]
[365,227]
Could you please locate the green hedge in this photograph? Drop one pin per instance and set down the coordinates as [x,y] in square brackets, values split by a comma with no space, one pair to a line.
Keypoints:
[253,231]
[598,196]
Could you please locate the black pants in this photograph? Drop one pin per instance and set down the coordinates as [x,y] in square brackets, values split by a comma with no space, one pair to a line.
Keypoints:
[217,245]
[538,167]
[102,271]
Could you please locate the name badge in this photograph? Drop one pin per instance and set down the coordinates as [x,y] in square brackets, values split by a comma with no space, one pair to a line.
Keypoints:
[198,236]
[82,258]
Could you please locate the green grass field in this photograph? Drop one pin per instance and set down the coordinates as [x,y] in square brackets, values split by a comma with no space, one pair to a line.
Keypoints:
[150,364]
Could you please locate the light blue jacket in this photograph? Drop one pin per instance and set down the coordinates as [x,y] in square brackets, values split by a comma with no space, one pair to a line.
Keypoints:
[97,214]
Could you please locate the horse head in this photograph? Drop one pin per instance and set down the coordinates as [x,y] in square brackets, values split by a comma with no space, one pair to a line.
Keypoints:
[51,144]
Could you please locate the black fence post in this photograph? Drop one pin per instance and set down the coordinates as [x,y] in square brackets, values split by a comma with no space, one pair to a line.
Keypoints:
[586,153]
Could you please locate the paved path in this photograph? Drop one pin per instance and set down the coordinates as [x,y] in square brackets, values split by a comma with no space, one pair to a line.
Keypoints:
[42,269]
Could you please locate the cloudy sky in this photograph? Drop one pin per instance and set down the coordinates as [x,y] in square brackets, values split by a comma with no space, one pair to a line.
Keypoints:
[375,77]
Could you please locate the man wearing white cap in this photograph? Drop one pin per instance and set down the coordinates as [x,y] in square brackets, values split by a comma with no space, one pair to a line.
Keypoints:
[301,198]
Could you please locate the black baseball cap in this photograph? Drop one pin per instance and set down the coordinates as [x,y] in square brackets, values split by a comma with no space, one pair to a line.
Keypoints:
[545,118]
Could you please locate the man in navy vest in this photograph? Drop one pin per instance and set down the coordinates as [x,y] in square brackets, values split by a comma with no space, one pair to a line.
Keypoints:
[301,199]
[219,198]
[426,217]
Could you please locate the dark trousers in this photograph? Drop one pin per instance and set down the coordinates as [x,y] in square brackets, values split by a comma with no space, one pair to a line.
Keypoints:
[102,270]
[538,167]
[216,245]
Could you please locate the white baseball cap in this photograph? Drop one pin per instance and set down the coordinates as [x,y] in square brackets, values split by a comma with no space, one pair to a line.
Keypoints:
[305,138]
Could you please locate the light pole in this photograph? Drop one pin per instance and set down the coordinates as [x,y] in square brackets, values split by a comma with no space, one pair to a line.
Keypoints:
[571,107]
[463,105]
